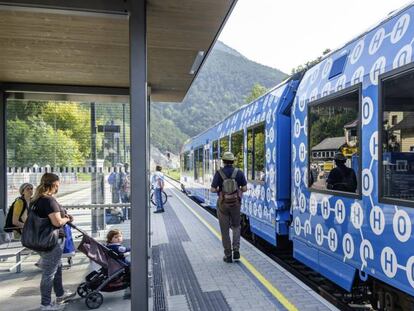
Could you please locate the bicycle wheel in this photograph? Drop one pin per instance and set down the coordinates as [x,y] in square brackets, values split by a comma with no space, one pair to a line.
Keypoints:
[153,199]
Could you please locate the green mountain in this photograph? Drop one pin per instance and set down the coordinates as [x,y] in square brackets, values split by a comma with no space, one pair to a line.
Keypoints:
[223,85]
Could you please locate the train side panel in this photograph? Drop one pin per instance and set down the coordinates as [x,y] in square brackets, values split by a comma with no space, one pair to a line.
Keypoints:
[347,236]
[266,204]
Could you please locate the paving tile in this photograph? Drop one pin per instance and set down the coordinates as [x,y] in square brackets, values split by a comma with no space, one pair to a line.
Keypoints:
[239,287]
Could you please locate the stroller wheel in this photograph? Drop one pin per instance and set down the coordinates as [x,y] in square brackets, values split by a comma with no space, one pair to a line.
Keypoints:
[83,290]
[94,300]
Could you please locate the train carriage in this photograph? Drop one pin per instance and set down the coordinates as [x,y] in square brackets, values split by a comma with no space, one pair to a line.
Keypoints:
[259,136]
[355,107]
[359,101]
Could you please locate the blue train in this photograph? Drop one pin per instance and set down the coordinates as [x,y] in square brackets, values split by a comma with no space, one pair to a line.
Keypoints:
[359,102]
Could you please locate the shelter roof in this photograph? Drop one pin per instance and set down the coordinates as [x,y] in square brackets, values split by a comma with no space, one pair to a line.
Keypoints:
[43,43]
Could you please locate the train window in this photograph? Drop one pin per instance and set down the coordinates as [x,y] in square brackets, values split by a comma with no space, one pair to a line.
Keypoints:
[224,145]
[198,164]
[237,149]
[250,154]
[397,136]
[186,162]
[216,158]
[207,160]
[334,137]
[256,153]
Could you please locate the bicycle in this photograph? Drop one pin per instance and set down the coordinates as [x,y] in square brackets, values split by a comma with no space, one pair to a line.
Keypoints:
[164,197]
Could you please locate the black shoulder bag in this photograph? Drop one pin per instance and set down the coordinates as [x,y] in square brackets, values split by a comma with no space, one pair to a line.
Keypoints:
[39,234]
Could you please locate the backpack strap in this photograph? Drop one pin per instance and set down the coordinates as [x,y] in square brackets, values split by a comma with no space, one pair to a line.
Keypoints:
[223,176]
[234,174]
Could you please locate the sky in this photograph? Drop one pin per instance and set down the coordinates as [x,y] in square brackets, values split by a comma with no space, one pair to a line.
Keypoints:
[286,33]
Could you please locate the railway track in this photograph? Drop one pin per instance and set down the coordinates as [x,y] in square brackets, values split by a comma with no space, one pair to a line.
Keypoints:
[358,300]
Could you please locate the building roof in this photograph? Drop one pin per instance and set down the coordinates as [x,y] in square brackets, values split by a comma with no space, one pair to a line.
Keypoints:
[45,43]
[330,143]
[351,124]
[407,123]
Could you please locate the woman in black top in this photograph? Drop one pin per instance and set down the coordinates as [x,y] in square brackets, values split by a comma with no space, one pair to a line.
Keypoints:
[46,206]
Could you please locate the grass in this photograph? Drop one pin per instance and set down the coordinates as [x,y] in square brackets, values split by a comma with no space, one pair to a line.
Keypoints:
[84,176]
[173,173]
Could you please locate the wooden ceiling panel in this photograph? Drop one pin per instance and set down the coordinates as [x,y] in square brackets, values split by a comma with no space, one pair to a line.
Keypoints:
[62,47]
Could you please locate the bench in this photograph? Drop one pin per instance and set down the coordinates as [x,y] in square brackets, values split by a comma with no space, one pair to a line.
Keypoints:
[13,249]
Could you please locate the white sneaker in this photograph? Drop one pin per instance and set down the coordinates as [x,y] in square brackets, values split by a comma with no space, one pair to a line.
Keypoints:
[65,297]
[52,307]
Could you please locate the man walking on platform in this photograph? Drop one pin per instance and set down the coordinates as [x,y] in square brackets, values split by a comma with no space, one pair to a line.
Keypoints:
[229,183]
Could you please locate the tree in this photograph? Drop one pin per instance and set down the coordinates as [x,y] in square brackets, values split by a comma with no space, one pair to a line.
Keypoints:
[309,64]
[257,91]
[35,142]
[73,119]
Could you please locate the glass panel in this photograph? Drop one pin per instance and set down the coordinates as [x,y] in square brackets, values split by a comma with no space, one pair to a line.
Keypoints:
[198,164]
[237,149]
[333,136]
[87,144]
[224,145]
[207,161]
[216,160]
[259,153]
[398,137]
[249,154]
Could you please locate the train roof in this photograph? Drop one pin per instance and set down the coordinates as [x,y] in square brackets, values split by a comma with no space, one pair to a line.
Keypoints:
[391,15]
[295,76]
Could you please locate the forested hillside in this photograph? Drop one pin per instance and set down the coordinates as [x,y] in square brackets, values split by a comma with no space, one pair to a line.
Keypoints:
[224,83]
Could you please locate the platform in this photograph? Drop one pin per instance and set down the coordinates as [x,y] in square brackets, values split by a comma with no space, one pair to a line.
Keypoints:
[189,273]
[186,271]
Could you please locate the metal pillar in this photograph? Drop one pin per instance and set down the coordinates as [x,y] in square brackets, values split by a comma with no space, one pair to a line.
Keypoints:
[97,215]
[139,155]
[123,133]
[3,174]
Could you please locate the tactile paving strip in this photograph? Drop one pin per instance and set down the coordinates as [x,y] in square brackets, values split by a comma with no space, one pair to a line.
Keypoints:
[180,277]
[159,297]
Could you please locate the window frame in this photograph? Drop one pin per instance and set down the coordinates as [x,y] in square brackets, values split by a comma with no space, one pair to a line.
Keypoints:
[395,73]
[351,89]
[253,180]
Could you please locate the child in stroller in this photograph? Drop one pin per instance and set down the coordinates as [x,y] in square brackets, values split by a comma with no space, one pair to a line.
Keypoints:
[114,240]
[114,274]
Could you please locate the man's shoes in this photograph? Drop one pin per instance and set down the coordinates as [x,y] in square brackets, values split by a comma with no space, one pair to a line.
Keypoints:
[159,211]
[52,307]
[236,255]
[227,259]
[66,296]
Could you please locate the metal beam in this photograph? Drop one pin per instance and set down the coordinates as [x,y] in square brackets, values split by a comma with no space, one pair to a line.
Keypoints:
[64,89]
[3,174]
[98,6]
[139,155]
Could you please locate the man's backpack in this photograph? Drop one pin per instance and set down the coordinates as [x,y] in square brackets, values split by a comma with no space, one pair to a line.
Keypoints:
[8,226]
[229,194]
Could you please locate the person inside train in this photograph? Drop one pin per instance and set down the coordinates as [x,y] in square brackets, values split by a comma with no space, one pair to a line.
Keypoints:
[341,178]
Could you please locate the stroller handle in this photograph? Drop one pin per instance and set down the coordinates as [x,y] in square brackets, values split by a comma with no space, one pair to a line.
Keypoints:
[76,228]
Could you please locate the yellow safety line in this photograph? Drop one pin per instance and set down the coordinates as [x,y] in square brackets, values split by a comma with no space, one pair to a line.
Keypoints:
[273,290]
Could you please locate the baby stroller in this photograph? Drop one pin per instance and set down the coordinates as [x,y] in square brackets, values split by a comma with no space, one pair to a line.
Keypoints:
[114,274]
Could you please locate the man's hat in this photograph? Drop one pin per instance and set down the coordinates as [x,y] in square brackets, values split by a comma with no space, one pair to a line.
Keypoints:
[228,156]
[339,156]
